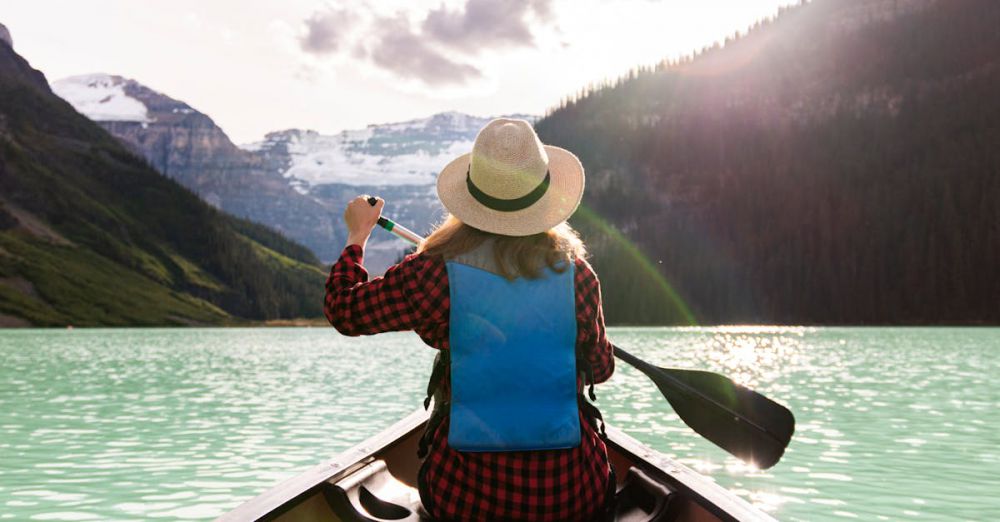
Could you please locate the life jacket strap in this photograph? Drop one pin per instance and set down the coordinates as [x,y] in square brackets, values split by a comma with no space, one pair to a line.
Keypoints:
[441,363]
[438,414]
[588,375]
[589,409]
[593,415]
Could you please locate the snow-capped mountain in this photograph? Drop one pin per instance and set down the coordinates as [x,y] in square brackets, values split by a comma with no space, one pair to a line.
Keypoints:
[102,98]
[188,146]
[397,161]
[393,154]
[296,181]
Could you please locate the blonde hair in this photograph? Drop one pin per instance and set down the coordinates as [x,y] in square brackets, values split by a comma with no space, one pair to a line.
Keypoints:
[523,256]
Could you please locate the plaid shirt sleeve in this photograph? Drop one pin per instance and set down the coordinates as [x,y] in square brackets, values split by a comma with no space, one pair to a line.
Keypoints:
[402,299]
[413,295]
[591,338]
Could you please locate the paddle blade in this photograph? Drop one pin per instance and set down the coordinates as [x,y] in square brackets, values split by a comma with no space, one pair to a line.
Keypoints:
[737,419]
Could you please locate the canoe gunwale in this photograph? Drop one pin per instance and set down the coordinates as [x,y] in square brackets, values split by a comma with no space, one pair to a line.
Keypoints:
[269,504]
[687,482]
[708,494]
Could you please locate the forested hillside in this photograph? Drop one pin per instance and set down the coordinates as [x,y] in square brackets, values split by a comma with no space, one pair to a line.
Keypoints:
[91,235]
[838,164]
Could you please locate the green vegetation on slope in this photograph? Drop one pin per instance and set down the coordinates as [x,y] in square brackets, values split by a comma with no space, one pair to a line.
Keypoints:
[828,167]
[72,285]
[91,235]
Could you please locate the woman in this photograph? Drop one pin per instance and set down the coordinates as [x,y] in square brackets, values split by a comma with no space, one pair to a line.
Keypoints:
[502,290]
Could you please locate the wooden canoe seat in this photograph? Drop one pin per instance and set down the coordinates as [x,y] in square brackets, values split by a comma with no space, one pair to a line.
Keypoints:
[372,494]
[642,499]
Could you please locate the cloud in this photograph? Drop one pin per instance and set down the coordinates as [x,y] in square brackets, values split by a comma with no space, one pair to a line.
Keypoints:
[400,50]
[486,23]
[325,31]
[392,43]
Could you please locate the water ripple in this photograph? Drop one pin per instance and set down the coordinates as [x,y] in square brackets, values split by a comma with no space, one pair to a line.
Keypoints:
[183,424]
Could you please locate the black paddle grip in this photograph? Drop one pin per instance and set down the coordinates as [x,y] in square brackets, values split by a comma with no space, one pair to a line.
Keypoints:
[372,200]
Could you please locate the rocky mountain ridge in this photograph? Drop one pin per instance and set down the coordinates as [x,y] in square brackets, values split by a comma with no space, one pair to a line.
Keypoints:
[398,161]
[5,36]
[186,145]
[402,153]
[295,181]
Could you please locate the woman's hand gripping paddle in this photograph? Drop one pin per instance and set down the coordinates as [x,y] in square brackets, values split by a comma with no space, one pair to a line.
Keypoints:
[737,419]
[399,230]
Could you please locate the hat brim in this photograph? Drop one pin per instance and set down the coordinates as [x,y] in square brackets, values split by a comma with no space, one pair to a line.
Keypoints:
[557,205]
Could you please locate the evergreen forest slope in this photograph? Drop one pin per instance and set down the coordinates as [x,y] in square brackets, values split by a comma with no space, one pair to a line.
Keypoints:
[839,164]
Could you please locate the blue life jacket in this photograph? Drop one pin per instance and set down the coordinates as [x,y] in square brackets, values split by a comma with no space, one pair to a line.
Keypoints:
[513,361]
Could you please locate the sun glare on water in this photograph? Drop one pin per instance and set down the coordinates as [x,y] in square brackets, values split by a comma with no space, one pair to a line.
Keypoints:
[752,354]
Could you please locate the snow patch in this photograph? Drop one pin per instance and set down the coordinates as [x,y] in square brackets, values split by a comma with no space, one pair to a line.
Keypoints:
[318,159]
[393,154]
[101,97]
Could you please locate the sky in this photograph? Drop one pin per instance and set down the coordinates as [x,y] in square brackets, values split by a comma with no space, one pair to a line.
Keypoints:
[257,66]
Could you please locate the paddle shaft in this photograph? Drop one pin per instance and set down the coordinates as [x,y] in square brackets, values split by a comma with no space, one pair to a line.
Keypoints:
[766,439]
[397,229]
[647,368]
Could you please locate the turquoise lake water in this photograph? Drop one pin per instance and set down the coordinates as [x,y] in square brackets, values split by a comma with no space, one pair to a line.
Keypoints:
[137,424]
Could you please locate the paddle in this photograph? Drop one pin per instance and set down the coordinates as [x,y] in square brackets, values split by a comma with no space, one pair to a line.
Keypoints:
[737,419]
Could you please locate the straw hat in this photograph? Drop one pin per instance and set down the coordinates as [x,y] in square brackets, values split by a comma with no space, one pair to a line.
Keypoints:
[512,184]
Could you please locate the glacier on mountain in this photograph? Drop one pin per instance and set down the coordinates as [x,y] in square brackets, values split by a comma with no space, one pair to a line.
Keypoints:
[404,153]
[101,97]
[295,181]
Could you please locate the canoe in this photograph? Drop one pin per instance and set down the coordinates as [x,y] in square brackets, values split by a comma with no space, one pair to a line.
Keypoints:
[376,481]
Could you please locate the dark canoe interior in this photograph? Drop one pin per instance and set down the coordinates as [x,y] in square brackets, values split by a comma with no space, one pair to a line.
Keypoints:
[376,481]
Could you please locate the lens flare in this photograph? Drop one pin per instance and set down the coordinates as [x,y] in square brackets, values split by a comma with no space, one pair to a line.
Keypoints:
[648,267]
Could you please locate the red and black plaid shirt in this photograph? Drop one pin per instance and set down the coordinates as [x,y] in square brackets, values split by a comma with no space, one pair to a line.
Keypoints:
[524,485]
